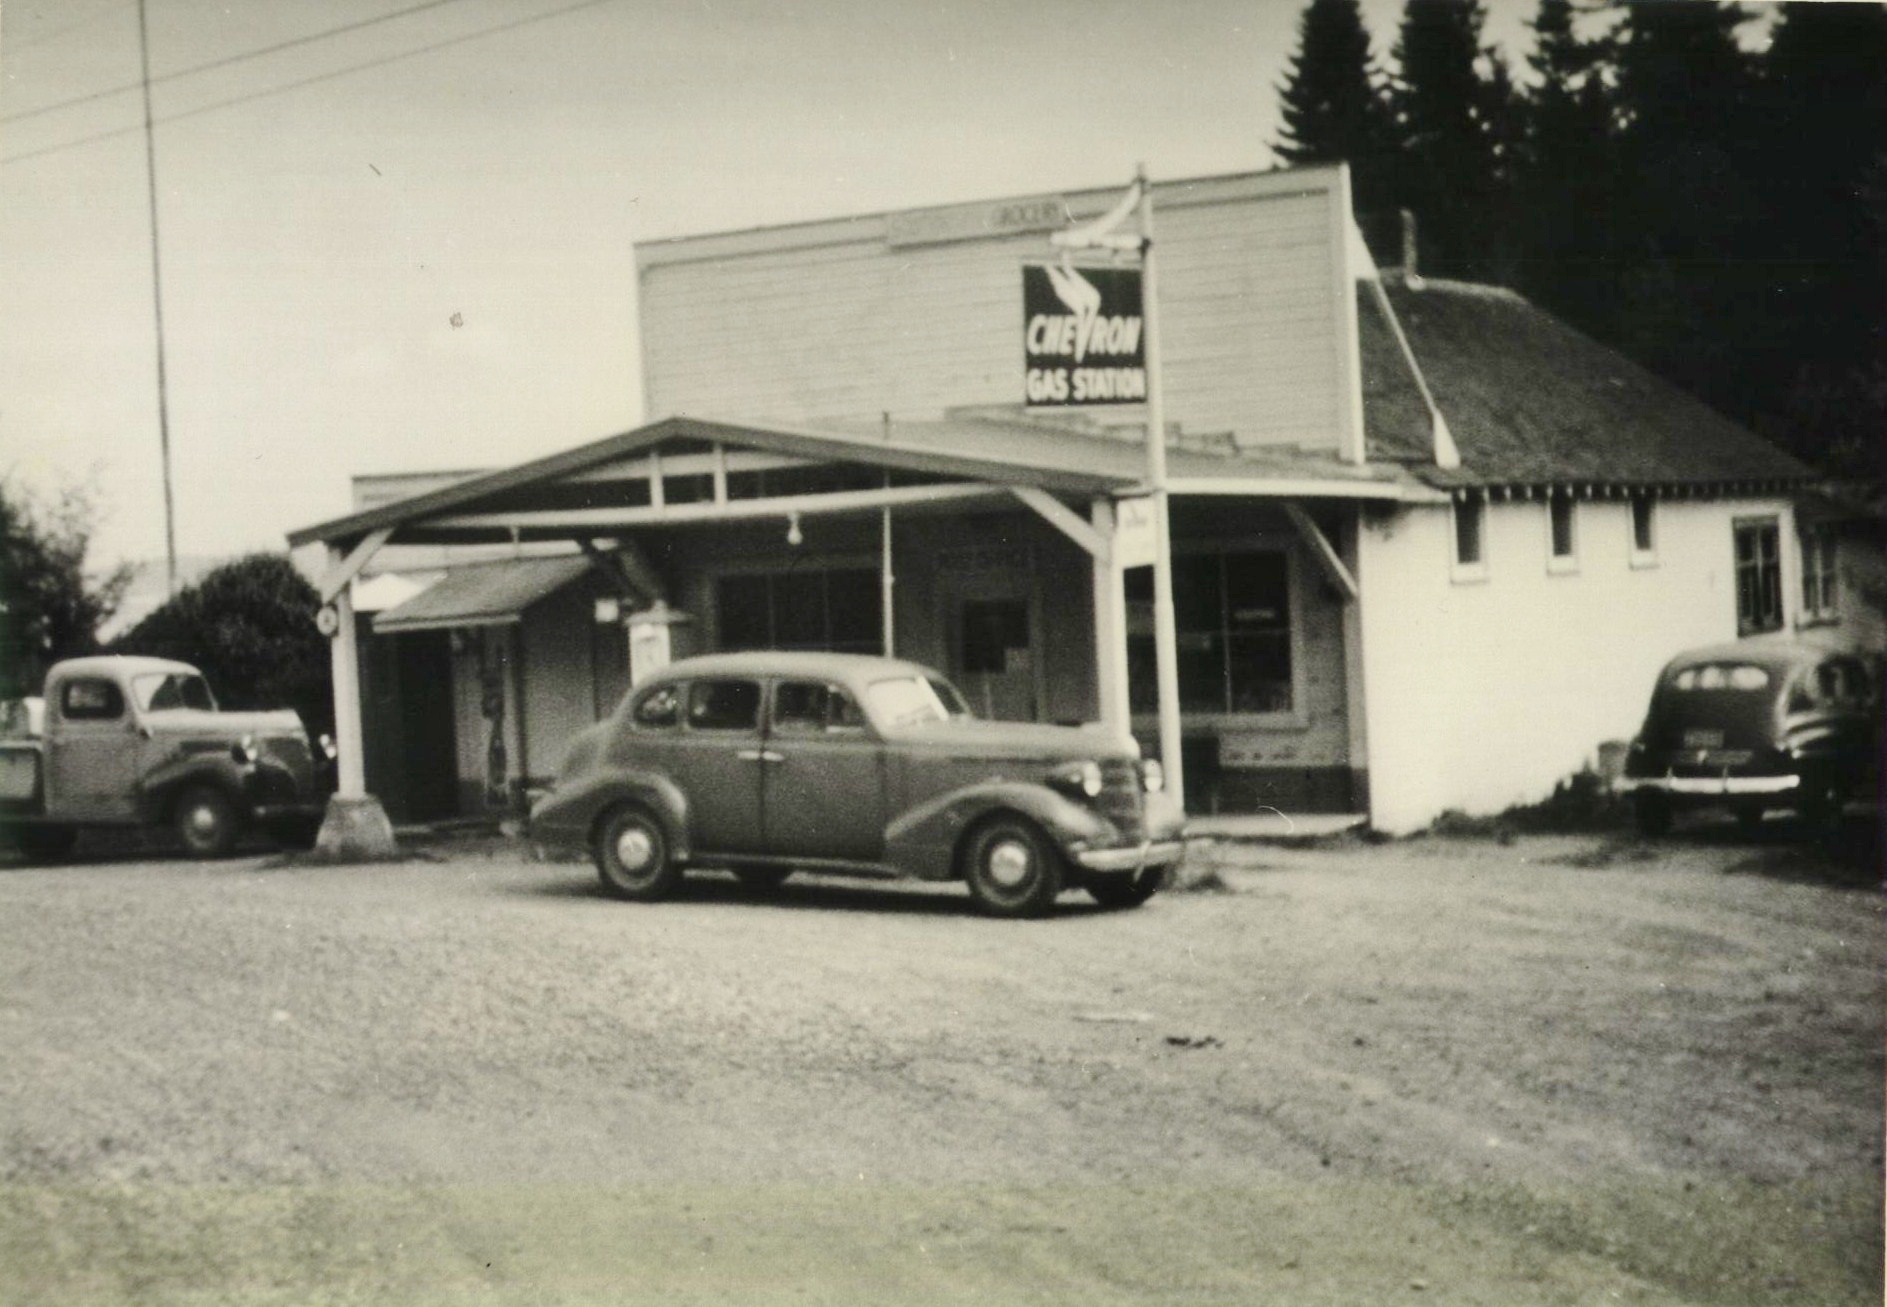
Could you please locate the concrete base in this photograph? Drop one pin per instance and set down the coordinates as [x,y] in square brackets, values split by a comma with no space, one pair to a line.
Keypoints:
[355,830]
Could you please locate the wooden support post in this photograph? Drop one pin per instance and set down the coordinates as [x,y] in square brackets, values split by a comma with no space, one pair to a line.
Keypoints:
[1110,628]
[344,652]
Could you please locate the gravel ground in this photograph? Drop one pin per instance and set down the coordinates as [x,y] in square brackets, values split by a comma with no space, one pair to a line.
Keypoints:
[1560,1070]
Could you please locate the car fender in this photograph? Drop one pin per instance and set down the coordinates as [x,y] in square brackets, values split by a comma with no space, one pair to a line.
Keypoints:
[161,785]
[922,841]
[567,817]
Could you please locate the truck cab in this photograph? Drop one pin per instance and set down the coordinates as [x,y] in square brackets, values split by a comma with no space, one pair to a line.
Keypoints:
[135,741]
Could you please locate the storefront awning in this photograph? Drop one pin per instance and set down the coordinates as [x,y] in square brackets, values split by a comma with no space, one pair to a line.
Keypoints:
[485,594]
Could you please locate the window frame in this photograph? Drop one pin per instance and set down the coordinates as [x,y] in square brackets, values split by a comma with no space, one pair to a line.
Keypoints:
[700,683]
[1470,571]
[1766,525]
[1647,555]
[828,729]
[1558,564]
[1295,581]
[814,566]
[119,702]
[1820,571]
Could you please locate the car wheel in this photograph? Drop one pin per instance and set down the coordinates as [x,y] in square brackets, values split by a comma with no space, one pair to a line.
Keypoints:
[1013,871]
[207,822]
[762,879]
[1126,891]
[1651,813]
[632,858]
[44,843]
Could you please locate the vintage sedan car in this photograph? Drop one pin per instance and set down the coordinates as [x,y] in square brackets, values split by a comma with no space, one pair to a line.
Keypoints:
[1755,725]
[765,763]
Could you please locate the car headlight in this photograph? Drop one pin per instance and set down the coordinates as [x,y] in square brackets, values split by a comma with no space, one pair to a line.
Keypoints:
[1082,776]
[244,750]
[1153,775]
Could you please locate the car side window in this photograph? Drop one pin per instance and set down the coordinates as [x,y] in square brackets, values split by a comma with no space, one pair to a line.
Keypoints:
[91,701]
[723,706]
[812,707]
[659,709]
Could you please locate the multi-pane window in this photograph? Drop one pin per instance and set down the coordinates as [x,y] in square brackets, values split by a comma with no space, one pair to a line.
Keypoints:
[1758,576]
[1818,574]
[840,610]
[1232,618]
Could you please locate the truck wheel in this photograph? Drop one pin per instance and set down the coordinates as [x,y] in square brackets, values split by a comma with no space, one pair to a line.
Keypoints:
[632,858]
[1012,869]
[207,822]
[1126,891]
[44,843]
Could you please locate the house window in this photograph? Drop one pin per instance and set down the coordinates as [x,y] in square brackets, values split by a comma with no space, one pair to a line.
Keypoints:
[1644,530]
[1818,575]
[1758,576]
[1470,518]
[1232,619]
[1560,531]
[840,610]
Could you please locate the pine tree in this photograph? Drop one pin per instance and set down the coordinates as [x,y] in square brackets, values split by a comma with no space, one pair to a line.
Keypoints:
[1565,172]
[1332,107]
[1446,162]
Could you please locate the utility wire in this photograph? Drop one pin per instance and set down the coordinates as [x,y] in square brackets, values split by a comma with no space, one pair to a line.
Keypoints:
[306,81]
[221,63]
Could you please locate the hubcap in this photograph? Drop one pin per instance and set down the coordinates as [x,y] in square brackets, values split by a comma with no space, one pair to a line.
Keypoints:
[203,819]
[1009,863]
[635,849]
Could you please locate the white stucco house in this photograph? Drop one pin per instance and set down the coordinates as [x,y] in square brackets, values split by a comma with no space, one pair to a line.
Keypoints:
[1431,545]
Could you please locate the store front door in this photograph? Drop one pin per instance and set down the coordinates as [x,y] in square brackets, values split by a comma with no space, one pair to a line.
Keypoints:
[991,624]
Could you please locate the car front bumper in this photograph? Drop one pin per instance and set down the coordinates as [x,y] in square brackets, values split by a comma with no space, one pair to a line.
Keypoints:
[1711,786]
[1132,857]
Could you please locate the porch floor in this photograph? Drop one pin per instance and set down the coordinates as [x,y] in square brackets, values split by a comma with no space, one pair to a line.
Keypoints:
[1274,825]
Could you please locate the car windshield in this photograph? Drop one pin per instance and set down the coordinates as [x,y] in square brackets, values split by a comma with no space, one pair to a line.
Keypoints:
[914,701]
[169,691]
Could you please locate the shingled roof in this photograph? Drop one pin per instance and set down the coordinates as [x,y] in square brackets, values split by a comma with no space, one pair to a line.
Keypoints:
[1532,402]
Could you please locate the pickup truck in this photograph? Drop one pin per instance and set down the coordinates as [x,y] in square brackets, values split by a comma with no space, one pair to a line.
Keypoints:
[139,742]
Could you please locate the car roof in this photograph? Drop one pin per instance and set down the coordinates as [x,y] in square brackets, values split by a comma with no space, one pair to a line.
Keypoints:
[1773,654]
[851,669]
[116,665]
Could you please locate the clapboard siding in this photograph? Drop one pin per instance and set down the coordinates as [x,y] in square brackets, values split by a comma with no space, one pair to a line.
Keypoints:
[848,327]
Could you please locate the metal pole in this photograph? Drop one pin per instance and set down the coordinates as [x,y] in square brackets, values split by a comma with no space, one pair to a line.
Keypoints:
[1165,638]
[157,296]
[344,654]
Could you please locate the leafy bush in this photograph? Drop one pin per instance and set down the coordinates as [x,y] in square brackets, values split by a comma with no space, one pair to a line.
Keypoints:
[249,625]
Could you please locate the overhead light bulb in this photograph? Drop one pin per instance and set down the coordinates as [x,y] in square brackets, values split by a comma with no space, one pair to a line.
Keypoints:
[794,535]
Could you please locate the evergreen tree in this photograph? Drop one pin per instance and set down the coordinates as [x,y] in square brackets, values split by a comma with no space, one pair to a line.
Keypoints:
[1332,108]
[1447,168]
[1823,160]
[49,607]
[1565,172]
[1691,245]
[249,627]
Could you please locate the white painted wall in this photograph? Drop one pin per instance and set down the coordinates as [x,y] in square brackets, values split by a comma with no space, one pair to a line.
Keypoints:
[835,320]
[1483,694]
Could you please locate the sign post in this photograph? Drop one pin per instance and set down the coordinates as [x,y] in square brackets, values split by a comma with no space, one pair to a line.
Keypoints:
[1103,347]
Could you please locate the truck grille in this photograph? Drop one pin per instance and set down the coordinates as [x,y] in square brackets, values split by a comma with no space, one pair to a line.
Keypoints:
[1121,800]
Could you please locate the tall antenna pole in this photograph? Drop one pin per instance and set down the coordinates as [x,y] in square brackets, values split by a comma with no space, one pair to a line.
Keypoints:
[157,299]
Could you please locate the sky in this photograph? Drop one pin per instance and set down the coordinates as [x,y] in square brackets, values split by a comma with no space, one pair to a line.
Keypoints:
[373,263]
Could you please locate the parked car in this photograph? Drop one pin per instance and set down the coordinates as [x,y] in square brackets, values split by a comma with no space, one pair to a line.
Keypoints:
[1752,726]
[770,762]
[131,741]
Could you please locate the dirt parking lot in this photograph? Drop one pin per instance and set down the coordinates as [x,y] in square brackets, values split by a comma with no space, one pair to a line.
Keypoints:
[1558,1070]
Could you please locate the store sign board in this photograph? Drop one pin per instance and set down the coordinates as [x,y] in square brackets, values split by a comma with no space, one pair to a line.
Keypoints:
[1134,540]
[1083,336]
[968,222]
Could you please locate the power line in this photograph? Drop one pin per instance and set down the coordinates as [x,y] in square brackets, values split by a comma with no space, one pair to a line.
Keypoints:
[285,87]
[221,63]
